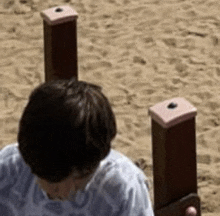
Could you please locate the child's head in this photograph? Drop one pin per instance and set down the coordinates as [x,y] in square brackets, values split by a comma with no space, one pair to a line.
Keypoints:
[67,125]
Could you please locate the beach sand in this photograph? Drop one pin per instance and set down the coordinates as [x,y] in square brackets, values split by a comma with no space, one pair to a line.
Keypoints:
[141,53]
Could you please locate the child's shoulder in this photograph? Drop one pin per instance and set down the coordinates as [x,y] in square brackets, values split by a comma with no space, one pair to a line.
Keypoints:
[123,164]
[118,170]
[116,176]
[11,158]
[11,165]
[9,152]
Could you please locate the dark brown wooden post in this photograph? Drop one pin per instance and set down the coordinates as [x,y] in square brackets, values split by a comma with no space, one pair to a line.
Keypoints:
[174,157]
[60,43]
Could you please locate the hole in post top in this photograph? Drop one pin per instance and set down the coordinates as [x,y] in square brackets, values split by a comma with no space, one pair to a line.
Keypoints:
[172,105]
[58,10]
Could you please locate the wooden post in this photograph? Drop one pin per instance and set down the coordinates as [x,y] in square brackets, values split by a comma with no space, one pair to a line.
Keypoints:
[60,43]
[174,157]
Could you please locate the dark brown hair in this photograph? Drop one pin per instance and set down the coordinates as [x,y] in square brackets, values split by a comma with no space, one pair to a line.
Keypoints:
[67,125]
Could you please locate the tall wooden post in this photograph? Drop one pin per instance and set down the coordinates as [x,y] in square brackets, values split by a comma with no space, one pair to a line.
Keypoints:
[60,43]
[174,157]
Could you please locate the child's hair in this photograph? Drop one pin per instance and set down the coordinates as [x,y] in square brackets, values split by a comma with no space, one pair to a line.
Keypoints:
[67,125]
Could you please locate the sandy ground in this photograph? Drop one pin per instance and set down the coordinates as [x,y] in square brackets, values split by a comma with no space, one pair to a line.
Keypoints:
[142,52]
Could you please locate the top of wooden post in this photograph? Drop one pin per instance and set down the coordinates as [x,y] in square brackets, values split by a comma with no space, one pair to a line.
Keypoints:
[59,15]
[171,112]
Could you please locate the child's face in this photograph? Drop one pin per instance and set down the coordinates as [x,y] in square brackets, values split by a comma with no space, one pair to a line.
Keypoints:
[65,189]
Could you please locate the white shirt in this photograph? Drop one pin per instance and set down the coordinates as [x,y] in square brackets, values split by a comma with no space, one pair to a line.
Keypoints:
[117,189]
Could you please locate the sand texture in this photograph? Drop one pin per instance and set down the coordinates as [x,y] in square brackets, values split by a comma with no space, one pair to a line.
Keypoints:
[142,52]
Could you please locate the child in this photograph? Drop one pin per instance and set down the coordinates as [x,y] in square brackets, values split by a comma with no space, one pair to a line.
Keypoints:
[63,163]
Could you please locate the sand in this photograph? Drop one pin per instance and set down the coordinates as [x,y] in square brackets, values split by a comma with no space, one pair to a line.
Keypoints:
[141,52]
